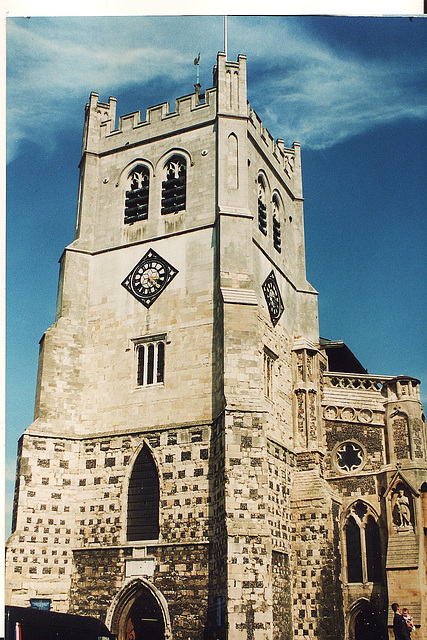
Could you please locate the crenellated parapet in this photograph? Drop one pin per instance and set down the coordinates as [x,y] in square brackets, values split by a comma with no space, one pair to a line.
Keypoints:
[286,160]
[101,134]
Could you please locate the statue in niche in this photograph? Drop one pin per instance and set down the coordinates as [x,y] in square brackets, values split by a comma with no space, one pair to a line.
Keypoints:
[402,512]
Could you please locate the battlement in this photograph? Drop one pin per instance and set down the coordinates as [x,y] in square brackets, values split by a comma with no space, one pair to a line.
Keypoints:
[287,159]
[101,133]
[153,115]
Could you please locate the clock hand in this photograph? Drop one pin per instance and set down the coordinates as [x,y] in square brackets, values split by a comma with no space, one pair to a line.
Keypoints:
[154,280]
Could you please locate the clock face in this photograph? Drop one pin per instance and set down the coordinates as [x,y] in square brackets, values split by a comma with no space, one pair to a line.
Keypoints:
[273,298]
[149,278]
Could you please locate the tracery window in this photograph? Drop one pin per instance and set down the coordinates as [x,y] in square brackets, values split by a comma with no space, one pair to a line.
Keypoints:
[150,360]
[349,457]
[362,545]
[174,187]
[136,203]
[277,240]
[143,499]
[262,206]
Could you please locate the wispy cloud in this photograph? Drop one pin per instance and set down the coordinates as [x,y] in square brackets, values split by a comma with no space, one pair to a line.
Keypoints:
[320,96]
[303,88]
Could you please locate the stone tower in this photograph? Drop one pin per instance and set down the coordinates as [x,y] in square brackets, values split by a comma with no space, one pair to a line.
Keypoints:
[175,479]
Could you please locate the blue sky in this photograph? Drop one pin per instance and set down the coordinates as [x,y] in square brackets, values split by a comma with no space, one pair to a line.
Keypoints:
[352,91]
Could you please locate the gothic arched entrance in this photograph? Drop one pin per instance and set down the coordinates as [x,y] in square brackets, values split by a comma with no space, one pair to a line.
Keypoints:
[144,620]
[368,626]
[139,612]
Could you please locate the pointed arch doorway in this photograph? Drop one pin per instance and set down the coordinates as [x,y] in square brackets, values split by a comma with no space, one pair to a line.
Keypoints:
[144,620]
[367,624]
[140,612]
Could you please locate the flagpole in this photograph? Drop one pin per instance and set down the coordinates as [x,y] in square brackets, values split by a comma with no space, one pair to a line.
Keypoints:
[225,37]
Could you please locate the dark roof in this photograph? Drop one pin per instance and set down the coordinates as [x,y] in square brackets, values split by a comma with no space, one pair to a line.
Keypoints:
[54,625]
[340,358]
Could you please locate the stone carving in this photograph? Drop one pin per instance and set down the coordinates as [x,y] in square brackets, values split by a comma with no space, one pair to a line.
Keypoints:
[348,414]
[330,413]
[365,415]
[401,510]
[300,395]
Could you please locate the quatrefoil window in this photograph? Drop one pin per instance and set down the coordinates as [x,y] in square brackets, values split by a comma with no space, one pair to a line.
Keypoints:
[349,456]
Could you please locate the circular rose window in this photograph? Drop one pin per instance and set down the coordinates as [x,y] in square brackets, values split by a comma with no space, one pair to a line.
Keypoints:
[349,456]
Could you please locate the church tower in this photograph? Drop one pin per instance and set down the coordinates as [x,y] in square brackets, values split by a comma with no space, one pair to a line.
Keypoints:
[179,444]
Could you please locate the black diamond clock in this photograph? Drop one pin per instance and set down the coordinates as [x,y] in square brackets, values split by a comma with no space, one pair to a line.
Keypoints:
[149,278]
[273,298]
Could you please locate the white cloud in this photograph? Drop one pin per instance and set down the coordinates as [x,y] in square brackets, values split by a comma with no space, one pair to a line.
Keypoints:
[321,96]
[304,90]
[10,471]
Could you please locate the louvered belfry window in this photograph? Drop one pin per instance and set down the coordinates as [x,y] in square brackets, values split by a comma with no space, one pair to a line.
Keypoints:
[262,207]
[143,499]
[174,186]
[136,203]
[277,239]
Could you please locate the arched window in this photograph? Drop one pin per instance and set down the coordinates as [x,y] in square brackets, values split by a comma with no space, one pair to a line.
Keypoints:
[232,161]
[354,551]
[262,206]
[136,203]
[373,551]
[143,499]
[174,186]
[277,240]
[362,545]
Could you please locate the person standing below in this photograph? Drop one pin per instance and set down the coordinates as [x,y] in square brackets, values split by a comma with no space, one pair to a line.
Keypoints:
[400,628]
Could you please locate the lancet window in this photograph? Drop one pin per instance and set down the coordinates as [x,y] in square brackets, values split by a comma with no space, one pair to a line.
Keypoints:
[174,186]
[262,206]
[136,203]
[269,360]
[143,499]
[362,545]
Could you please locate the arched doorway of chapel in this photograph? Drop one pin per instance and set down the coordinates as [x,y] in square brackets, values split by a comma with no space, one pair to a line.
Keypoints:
[144,620]
[368,625]
[139,612]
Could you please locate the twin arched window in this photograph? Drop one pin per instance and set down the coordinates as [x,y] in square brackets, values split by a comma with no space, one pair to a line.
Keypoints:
[173,197]
[362,545]
[262,213]
[143,499]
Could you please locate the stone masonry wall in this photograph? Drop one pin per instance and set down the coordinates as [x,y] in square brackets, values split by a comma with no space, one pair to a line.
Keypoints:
[282,596]
[316,566]
[181,574]
[74,494]
[39,559]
